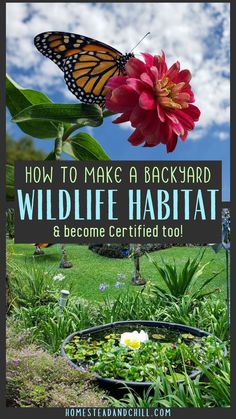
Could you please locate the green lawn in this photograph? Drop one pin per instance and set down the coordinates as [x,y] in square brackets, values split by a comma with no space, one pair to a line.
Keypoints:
[90,270]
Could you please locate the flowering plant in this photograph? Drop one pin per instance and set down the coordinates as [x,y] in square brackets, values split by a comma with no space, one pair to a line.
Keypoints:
[109,358]
[58,277]
[133,339]
[156,100]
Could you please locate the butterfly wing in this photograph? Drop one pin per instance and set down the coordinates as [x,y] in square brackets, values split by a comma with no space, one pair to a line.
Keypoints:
[87,64]
[86,75]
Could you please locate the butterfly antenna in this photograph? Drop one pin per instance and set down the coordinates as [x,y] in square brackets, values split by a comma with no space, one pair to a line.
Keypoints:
[148,33]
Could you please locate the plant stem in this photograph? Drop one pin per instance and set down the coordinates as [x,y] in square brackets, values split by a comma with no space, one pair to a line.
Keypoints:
[70,130]
[74,127]
[58,142]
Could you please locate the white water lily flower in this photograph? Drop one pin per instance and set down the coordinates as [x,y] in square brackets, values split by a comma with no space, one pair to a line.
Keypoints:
[133,339]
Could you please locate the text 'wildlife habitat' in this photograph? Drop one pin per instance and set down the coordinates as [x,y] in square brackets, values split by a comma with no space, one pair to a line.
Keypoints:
[127,202]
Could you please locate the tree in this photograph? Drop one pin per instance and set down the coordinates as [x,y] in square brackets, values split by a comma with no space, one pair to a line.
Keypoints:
[23,149]
[10,223]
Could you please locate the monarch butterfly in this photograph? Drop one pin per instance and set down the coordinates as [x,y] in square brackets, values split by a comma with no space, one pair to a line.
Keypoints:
[87,64]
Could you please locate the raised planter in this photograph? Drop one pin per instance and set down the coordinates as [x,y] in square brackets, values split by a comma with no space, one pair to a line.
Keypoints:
[125,325]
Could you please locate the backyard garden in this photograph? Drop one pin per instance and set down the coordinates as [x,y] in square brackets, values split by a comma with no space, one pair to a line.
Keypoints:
[155,363]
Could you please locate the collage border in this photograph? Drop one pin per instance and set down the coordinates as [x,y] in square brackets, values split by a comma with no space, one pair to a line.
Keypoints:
[24,413]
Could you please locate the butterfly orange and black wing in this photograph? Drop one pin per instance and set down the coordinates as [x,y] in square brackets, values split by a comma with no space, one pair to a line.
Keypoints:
[87,64]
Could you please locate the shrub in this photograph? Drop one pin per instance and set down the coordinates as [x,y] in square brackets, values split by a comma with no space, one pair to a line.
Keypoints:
[118,251]
[182,282]
[208,314]
[31,286]
[49,326]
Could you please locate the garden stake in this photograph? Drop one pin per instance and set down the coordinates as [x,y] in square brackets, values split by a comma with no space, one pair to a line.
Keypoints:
[63,299]
[64,260]
[137,278]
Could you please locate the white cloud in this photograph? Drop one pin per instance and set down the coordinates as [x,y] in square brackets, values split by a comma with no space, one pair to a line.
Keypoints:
[196,134]
[197,34]
[222,135]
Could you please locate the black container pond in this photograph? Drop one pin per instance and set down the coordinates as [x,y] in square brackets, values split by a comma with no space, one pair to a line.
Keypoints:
[159,329]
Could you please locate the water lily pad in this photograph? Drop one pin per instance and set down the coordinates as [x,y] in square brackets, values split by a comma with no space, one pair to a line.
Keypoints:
[158,336]
[111,336]
[188,336]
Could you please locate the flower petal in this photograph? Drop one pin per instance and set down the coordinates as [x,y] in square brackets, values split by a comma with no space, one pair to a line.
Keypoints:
[170,146]
[183,75]
[165,133]
[173,70]
[177,128]
[136,84]
[160,63]
[143,120]
[175,124]
[148,58]
[182,97]
[185,119]
[136,138]
[193,111]
[151,125]
[160,113]
[116,81]
[184,137]
[147,101]
[138,115]
[122,99]
[122,118]
[154,73]
[134,67]
[152,140]
[147,79]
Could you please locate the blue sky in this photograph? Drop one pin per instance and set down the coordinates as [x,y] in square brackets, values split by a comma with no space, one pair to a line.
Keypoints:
[195,34]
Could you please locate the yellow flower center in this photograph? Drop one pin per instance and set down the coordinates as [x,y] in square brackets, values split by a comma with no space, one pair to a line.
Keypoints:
[132,343]
[168,94]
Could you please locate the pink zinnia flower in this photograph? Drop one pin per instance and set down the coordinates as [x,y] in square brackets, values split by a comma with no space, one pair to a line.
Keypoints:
[156,100]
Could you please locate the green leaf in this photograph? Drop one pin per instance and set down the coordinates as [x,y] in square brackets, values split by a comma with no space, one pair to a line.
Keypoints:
[18,99]
[158,336]
[81,114]
[84,147]
[187,336]
[51,156]
[9,182]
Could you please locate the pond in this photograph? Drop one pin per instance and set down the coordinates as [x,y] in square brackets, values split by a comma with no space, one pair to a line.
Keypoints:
[141,352]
